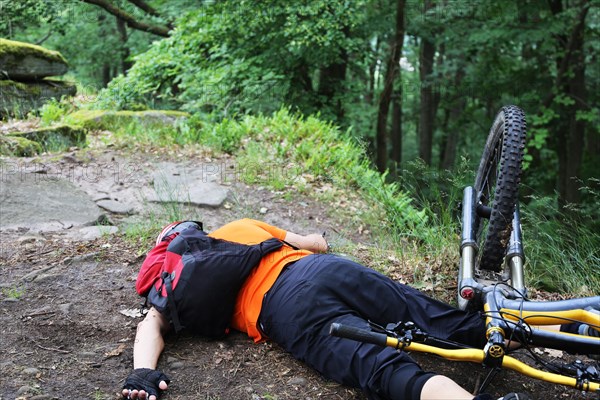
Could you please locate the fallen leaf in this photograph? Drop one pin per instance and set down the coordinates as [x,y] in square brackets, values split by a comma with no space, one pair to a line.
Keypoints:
[116,352]
[131,312]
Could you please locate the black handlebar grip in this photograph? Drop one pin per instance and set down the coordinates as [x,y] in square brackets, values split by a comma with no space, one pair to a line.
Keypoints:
[361,335]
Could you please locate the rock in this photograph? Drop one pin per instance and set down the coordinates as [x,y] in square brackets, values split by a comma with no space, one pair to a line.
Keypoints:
[30,239]
[24,61]
[33,275]
[19,146]
[115,207]
[94,232]
[111,120]
[65,308]
[65,135]
[297,381]
[49,138]
[10,300]
[173,184]
[42,278]
[18,98]
[177,365]
[44,203]
[24,389]
[82,258]
[31,371]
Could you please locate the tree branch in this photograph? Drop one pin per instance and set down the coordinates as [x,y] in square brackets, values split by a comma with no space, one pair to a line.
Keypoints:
[148,9]
[129,19]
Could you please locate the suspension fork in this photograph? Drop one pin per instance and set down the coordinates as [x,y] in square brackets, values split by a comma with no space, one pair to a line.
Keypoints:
[467,285]
[516,257]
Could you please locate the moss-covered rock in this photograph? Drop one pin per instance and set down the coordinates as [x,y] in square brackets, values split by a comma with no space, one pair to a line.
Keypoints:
[24,61]
[112,120]
[18,98]
[61,135]
[54,138]
[18,146]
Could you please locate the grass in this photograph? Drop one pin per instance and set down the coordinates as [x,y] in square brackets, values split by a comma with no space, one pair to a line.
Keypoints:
[142,233]
[296,153]
[563,252]
[14,292]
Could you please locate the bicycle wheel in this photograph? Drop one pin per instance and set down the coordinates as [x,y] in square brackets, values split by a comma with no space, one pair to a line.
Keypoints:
[497,186]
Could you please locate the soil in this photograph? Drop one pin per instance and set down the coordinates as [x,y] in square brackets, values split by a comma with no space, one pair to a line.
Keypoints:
[67,316]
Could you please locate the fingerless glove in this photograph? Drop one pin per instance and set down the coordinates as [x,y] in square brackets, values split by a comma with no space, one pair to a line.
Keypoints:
[146,379]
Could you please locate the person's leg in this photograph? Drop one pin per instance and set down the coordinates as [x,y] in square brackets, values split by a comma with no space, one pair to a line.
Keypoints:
[441,387]
[317,291]
[379,299]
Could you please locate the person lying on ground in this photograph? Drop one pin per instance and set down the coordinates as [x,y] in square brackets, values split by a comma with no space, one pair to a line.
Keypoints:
[293,296]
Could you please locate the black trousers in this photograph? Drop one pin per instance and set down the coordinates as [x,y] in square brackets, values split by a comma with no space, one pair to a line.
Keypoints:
[318,290]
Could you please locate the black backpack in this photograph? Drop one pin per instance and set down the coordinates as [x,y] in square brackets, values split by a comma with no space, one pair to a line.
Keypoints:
[200,280]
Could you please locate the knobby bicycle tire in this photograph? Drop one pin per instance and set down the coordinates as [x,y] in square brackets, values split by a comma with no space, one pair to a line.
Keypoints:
[497,185]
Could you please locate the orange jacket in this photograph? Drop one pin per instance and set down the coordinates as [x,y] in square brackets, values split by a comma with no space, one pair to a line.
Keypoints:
[249,301]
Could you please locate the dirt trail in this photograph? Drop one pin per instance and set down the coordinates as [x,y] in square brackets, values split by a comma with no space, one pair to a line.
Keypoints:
[68,307]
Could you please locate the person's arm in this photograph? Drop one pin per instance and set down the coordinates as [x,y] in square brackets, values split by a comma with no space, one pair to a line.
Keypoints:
[148,346]
[313,242]
[149,342]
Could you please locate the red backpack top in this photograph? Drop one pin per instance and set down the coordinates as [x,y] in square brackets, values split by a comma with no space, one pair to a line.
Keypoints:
[194,279]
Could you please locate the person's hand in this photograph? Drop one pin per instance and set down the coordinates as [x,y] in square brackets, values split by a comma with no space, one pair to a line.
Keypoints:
[145,384]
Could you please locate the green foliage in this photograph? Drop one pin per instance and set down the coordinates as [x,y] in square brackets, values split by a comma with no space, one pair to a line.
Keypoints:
[13,292]
[286,150]
[17,15]
[236,57]
[53,111]
[561,257]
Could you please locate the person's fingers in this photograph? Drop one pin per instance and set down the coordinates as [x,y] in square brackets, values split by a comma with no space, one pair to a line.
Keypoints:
[142,395]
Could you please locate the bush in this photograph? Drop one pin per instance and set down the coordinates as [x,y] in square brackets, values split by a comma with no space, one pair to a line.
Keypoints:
[308,148]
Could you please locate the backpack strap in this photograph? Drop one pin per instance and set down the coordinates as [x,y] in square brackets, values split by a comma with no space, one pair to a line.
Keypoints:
[166,278]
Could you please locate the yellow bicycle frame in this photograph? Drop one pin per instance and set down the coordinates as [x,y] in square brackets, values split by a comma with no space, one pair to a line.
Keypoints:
[476,355]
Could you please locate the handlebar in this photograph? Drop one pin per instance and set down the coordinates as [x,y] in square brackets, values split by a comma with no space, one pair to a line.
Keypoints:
[360,335]
[472,355]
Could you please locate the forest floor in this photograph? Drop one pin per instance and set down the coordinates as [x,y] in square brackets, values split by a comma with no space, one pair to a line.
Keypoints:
[68,314]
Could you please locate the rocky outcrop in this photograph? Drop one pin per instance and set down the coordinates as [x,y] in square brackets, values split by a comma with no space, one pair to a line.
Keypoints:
[110,120]
[35,141]
[19,98]
[25,82]
[25,62]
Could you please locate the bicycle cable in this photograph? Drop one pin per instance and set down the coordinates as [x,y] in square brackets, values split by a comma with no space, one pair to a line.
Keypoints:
[523,332]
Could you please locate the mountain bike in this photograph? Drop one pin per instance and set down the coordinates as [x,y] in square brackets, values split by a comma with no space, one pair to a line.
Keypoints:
[491,280]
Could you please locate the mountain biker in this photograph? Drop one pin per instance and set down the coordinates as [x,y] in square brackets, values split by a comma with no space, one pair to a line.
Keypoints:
[294,295]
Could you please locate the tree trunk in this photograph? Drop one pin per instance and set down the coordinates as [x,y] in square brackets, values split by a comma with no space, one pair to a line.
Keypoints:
[397,127]
[300,77]
[393,67]
[125,64]
[448,150]
[570,80]
[573,151]
[331,82]
[427,107]
[372,68]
